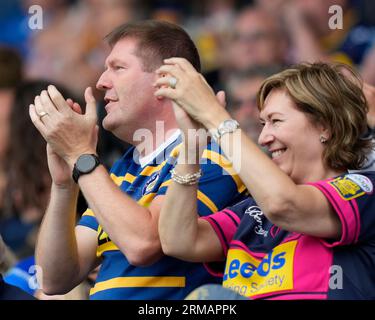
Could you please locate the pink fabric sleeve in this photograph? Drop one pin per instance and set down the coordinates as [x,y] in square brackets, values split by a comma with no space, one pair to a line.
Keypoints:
[225,224]
[347,211]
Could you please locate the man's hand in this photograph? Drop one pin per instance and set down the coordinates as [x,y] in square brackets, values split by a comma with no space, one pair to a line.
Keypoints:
[68,133]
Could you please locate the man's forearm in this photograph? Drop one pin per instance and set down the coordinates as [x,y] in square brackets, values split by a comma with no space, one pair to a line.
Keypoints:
[56,251]
[132,227]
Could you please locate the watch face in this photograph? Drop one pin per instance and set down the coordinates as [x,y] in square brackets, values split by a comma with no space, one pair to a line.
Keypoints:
[85,163]
[230,124]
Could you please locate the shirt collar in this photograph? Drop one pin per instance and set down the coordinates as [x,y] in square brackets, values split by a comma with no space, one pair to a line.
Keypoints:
[147,159]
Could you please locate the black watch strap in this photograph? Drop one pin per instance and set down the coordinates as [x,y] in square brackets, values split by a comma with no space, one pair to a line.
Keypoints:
[85,164]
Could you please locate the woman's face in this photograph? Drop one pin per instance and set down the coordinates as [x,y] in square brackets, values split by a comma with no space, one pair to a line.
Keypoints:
[290,137]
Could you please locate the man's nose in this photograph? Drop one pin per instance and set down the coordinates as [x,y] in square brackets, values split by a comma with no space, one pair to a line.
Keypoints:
[104,82]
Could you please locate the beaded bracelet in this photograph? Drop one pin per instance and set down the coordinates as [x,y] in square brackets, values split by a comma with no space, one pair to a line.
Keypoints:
[188,179]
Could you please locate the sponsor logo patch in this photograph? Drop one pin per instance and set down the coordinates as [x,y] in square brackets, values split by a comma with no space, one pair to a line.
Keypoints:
[150,184]
[250,276]
[352,186]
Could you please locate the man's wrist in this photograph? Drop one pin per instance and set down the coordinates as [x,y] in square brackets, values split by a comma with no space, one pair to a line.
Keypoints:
[85,164]
[72,159]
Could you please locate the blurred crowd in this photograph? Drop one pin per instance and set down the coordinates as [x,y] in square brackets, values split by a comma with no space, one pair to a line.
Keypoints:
[240,42]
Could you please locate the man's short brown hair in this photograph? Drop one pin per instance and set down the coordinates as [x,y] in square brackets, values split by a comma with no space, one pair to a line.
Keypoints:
[156,41]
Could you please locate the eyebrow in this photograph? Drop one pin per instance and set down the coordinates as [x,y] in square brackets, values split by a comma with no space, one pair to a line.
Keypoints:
[270,115]
[113,62]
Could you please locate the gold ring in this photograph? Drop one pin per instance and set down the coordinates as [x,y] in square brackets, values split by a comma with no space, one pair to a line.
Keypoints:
[42,114]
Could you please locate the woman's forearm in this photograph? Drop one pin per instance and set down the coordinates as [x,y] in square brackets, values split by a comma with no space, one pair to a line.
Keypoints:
[178,222]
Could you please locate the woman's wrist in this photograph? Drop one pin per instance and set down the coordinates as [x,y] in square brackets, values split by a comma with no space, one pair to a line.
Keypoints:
[213,121]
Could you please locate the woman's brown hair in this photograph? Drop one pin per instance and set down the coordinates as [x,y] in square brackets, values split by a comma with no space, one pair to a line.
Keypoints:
[330,95]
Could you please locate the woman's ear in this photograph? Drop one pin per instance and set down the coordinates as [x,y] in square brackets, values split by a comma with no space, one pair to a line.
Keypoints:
[325,135]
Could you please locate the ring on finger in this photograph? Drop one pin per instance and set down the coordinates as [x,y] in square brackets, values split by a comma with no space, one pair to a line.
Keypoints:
[42,114]
[172,82]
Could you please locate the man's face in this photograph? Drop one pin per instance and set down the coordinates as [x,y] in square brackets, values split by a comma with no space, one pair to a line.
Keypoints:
[129,94]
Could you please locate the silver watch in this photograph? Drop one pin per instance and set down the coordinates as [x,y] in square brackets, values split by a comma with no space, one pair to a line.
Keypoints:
[227,126]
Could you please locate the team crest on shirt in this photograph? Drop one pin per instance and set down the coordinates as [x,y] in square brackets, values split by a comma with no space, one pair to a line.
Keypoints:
[150,184]
[352,186]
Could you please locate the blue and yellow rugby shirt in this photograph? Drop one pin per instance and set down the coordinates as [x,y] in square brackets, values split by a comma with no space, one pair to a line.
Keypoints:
[169,278]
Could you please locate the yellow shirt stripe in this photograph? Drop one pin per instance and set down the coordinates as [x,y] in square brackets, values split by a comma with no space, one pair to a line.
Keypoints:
[226,165]
[119,180]
[148,282]
[89,213]
[207,201]
[146,199]
[108,246]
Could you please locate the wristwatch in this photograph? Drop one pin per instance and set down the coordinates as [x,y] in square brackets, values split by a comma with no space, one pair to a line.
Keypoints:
[85,164]
[227,126]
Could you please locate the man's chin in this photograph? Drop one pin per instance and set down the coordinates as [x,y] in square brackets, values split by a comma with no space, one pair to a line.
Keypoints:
[108,125]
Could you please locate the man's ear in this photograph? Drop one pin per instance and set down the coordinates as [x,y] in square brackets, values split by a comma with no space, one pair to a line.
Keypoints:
[156,77]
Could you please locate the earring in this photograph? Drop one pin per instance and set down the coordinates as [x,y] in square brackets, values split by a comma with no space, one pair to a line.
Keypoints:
[323,139]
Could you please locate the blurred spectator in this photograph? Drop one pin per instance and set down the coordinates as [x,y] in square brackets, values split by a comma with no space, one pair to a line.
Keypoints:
[257,39]
[311,36]
[209,25]
[14,26]
[368,67]
[170,11]
[83,24]
[28,180]
[7,257]
[23,276]
[11,75]
[242,88]
[8,292]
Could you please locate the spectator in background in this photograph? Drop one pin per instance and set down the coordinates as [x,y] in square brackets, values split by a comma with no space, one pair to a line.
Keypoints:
[10,76]
[241,89]
[83,23]
[28,179]
[312,37]
[28,188]
[8,292]
[256,39]
[7,257]
[14,26]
